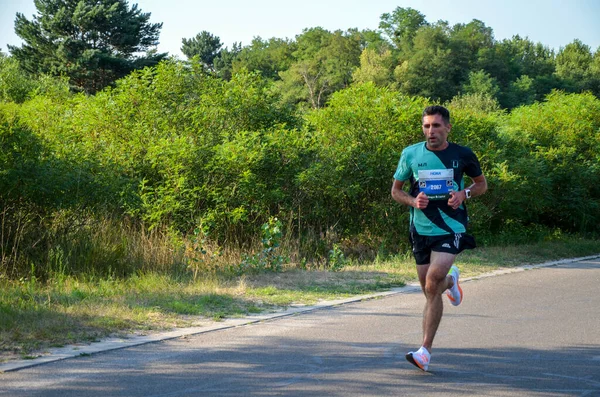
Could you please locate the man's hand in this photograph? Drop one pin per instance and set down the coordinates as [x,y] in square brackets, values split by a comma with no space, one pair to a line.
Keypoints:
[456,199]
[421,201]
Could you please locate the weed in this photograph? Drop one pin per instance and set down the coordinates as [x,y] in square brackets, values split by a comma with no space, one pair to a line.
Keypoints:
[336,260]
[269,258]
[199,259]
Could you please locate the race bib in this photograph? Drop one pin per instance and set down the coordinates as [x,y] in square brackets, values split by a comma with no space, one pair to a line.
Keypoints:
[436,184]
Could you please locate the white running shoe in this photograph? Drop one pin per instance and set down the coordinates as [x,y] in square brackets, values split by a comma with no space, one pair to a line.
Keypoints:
[455,294]
[419,359]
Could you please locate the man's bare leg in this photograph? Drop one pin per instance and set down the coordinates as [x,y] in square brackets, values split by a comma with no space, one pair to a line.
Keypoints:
[434,281]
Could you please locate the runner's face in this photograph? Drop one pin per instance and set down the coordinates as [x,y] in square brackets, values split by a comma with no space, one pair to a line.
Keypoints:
[436,131]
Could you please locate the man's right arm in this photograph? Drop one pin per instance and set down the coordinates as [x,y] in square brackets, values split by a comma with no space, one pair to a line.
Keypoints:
[402,197]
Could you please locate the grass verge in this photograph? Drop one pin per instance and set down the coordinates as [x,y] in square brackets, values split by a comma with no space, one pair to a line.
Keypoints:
[35,316]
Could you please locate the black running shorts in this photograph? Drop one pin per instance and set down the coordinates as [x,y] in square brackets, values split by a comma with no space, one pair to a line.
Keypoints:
[450,243]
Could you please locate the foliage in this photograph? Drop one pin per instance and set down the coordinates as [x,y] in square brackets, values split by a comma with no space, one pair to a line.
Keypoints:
[268,57]
[336,260]
[431,71]
[91,42]
[223,63]
[205,46]
[551,149]
[268,259]
[201,260]
[481,83]
[574,66]
[324,63]
[15,84]
[94,43]
[375,67]
[401,26]
[514,59]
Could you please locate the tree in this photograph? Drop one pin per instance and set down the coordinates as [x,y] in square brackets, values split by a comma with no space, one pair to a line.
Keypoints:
[375,67]
[92,42]
[516,57]
[304,82]
[524,70]
[595,74]
[206,46]
[373,39]
[520,92]
[471,43]
[431,71]
[481,82]
[223,63]
[324,64]
[15,85]
[475,35]
[269,57]
[401,26]
[573,65]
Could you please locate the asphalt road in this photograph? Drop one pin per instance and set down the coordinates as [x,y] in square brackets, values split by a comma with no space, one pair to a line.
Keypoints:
[530,333]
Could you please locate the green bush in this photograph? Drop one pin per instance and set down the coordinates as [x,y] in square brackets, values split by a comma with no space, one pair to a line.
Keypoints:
[551,150]
[172,147]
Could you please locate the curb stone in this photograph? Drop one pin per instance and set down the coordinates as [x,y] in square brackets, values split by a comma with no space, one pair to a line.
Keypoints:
[116,343]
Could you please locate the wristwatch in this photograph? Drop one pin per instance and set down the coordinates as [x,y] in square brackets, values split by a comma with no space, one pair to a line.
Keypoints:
[468,193]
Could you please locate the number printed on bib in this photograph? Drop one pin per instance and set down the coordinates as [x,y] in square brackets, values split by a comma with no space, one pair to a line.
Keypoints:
[436,184]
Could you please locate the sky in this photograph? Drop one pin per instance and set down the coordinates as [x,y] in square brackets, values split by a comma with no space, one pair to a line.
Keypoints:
[554,23]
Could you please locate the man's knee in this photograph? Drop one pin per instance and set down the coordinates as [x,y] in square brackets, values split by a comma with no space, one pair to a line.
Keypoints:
[434,284]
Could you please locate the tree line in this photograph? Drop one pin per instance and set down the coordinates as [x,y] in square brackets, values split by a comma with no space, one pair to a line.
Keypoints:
[96,43]
[411,56]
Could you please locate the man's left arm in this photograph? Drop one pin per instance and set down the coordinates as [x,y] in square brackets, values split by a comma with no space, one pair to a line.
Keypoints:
[478,187]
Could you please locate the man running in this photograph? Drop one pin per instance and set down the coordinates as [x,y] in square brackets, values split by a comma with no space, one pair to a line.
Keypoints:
[438,215]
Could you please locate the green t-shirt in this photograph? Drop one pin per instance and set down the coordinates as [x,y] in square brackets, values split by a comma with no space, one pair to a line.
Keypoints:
[437,173]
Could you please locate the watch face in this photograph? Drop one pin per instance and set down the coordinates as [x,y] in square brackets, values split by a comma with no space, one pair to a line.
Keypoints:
[467,193]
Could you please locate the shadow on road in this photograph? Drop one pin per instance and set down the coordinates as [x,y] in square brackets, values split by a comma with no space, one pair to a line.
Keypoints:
[324,368]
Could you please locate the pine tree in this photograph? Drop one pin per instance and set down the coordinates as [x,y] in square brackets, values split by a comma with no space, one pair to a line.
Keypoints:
[205,45]
[92,42]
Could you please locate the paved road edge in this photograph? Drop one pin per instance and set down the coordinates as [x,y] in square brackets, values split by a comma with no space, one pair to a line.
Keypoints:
[73,351]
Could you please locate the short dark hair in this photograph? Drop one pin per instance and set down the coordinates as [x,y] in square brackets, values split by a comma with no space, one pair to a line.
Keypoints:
[442,111]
